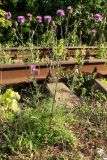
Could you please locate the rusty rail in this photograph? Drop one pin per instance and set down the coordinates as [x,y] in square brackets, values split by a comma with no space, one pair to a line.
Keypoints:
[27,52]
[18,73]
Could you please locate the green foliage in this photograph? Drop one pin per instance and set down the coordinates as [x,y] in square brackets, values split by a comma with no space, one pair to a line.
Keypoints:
[9,100]
[60,51]
[102,51]
[34,128]
[5,58]
[43,130]
[3,22]
[48,38]
[77,82]
[94,112]
[72,28]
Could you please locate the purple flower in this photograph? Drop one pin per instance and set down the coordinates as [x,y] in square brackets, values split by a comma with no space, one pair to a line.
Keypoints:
[60,12]
[38,19]
[93,31]
[32,67]
[69,9]
[21,19]
[97,17]
[47,19]
[29,16]
[7,15]
[35,70]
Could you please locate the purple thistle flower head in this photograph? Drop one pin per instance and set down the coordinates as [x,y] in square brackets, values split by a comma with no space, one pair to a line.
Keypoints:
[29,16]
[69,9]
[47,19]
[34,69]
[60,12]
[21,19]
[7,15]
[37,72]
[97,17]
[38,19]
[93,31]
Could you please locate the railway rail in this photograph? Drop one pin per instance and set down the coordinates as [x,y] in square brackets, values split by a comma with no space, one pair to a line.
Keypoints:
[18,53]
[21,72]
[18,73]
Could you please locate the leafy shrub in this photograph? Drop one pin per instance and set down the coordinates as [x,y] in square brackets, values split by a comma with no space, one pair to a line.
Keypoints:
[83,15]
[33,129]
[9,100]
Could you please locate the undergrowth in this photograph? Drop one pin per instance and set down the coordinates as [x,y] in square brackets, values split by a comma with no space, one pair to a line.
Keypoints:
[34,128]
[39,132]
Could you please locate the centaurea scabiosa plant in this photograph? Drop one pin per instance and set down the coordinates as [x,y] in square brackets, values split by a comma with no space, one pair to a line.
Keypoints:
[29,15]
[93,31]
[5,20]
[93,35]
[100,25]
[48,34]
[35,71]
[24,29]
[69,9]
[21,20]
[61,14]
[97,17]
[7,15]
[69,12]
[38,20]
[47,19]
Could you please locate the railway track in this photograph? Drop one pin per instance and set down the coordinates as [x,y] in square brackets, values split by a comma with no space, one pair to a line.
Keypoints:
[23,53]
[21,72]
[18,73]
